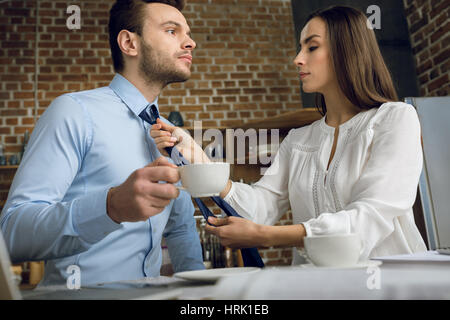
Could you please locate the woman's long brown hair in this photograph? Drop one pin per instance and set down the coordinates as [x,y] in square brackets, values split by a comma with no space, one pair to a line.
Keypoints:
[360,68]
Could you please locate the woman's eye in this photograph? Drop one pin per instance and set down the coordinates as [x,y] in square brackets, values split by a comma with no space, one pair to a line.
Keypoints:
[312,48]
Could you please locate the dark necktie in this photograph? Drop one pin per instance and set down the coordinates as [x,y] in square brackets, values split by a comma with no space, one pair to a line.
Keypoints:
[250,256]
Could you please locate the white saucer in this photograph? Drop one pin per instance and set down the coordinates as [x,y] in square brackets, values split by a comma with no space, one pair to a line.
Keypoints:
[214,274]
[360,265]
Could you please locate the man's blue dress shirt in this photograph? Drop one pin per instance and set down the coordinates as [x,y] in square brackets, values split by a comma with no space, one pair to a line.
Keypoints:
[83,144]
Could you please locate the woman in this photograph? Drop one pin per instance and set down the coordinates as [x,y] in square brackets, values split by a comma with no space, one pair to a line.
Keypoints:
[356,170]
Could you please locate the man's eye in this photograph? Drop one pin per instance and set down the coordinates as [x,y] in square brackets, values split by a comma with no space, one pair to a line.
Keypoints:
[171,31]
[312,48]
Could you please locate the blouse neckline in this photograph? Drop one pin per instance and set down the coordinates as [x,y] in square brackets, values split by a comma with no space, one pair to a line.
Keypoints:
[343,126]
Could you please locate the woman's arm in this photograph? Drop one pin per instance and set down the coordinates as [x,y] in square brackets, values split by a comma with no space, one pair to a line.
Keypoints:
[237,232]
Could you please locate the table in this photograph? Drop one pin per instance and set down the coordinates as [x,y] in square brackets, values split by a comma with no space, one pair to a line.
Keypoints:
[394,279]
[158,288]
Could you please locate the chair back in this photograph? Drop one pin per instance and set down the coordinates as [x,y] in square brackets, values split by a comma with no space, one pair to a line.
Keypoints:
[434,184]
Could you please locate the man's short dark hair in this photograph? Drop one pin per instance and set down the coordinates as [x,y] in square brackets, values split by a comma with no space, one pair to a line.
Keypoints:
[129,15]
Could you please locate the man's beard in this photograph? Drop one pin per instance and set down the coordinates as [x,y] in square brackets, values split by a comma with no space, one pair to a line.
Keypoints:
[155,67]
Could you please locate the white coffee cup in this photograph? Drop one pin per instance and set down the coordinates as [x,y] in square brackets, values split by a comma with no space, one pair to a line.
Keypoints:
[204,179]
[339,250]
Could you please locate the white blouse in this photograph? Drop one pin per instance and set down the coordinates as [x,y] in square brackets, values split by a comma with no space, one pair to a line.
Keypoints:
[369,188]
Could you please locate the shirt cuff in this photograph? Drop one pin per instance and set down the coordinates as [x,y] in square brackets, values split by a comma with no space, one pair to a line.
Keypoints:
[307,229]
[328,224]
[90,219]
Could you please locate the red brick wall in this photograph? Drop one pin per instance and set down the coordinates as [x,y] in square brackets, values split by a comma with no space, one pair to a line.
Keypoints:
[429,25]
[242,68]
[68,60]
[243,63]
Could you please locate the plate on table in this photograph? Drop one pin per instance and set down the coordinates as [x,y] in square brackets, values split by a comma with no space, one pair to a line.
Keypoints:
[360,265]
[214,274]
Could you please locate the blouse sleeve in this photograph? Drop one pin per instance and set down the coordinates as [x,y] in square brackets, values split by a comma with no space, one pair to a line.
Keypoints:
[387,186]
[267,200]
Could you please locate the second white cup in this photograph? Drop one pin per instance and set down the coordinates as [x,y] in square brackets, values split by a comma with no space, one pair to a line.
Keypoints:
[340,250]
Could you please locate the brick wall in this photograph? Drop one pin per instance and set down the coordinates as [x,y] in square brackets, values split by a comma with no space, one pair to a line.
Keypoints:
[429,25]
[242,68]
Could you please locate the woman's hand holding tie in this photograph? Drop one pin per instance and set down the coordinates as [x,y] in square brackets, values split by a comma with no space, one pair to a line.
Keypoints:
[166,136]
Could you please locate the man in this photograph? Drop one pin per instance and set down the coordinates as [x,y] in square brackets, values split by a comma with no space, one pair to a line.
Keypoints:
[85,193]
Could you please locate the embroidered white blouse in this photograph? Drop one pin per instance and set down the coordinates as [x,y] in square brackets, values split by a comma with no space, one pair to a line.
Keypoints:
[369,187]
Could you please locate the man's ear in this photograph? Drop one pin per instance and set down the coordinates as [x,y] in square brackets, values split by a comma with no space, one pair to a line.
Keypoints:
[128,43]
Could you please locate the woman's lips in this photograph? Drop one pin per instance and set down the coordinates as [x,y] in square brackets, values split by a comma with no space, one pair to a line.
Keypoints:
[303,75]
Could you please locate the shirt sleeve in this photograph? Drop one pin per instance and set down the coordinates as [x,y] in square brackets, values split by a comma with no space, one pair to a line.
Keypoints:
[36,221]
[387,186]
[181,236]
[267,200]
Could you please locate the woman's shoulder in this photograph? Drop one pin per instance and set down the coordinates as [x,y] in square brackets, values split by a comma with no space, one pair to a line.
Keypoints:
[396,107]
[392,113]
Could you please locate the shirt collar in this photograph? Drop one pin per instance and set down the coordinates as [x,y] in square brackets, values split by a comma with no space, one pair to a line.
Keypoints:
[130,95]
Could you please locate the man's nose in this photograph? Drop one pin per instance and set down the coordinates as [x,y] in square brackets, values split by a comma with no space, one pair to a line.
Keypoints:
[189,44]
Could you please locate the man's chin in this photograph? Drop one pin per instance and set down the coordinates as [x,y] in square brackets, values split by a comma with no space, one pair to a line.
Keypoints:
[176,80]
[179,77]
